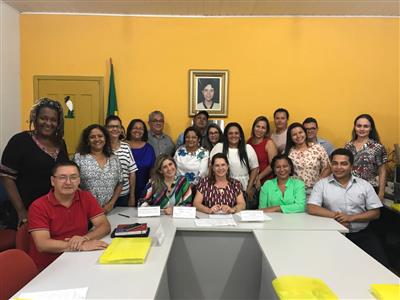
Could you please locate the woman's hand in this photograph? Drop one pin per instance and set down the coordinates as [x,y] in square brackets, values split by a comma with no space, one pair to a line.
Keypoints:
[257,184]
[250,193]
[22,217]
[226,209]
[168,210]
[108,207]
[215,208]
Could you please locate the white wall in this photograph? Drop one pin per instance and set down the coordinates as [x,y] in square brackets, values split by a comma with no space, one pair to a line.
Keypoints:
[10,102]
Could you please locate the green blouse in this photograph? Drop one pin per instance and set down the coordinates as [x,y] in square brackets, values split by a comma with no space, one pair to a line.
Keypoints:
[293,201]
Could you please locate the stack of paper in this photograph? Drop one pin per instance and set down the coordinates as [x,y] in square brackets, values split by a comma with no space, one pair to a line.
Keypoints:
[301,287]
[126,251]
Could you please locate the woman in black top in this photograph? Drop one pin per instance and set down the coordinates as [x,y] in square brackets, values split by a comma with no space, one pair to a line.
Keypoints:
[29,156]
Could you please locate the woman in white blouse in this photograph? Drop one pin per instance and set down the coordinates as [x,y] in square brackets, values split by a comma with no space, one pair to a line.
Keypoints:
[191,158]
[242,158]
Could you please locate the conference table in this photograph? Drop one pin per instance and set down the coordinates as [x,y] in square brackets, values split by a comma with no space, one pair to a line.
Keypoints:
[227,262]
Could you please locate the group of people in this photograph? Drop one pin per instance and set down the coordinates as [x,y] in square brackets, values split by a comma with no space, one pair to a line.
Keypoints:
[289,170]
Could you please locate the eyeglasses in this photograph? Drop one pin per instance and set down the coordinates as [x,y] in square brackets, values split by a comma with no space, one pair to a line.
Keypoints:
[113,126]
[311,129]
[64,178]
[157,121]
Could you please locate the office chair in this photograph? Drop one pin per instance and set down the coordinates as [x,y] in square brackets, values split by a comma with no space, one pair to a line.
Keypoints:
[17,269]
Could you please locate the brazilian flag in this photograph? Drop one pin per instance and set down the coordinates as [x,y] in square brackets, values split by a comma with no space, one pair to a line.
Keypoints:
[112,96]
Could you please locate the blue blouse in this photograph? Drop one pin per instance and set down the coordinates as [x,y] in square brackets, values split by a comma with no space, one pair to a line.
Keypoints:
[144,158]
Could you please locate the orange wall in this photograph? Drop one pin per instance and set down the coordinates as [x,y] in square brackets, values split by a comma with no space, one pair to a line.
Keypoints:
[329,68]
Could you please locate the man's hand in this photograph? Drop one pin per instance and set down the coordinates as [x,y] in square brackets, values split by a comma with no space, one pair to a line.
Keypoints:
[93,245]
[75,243]
[343,218]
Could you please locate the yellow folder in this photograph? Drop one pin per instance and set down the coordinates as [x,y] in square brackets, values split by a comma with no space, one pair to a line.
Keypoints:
[126,251]
[386,291]
[301,287]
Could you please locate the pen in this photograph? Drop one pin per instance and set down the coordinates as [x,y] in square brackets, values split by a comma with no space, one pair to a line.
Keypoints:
[122,215]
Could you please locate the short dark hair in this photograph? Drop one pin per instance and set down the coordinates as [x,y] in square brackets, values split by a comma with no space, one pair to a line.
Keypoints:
[282,110]
[202,112]
[66,163]
[145,136]
[84,148]
[195,130]
[279,157]
[310,120]
[112,118]
[342,151]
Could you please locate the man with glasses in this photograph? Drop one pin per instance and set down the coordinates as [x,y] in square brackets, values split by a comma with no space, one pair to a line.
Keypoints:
[58,221]
[162,143]
[311,125]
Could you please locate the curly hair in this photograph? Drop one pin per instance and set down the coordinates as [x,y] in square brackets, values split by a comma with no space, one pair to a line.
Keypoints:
[54,105]
[84,147]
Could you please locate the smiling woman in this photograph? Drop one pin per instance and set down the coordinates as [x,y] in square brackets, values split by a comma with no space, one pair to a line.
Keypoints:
[30,155]
[191,158]
[311,162]
[165,188]
[101,172]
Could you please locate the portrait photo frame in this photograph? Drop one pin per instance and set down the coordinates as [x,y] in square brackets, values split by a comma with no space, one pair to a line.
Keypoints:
[208,90]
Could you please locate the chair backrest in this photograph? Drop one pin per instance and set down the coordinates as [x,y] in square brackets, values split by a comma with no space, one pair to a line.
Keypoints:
[7,239]
[17,269]
[22,238]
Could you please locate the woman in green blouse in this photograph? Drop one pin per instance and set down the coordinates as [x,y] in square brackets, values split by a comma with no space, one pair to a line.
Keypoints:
[283,193]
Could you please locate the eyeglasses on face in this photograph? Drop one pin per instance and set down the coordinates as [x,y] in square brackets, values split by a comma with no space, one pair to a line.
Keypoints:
[64,178]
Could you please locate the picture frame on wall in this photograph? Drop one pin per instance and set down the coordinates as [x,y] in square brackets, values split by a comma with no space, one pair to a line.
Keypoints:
[208,90]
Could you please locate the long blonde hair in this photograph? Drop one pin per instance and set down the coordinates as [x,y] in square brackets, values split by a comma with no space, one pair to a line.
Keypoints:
[157,177]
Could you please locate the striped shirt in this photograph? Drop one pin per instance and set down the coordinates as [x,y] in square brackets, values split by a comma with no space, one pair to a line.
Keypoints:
[128,165]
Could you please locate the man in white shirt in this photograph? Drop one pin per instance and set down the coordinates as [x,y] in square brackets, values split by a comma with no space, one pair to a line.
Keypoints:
[351,201]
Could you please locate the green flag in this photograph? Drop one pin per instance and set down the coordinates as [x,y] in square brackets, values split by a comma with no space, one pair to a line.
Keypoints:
[112,96]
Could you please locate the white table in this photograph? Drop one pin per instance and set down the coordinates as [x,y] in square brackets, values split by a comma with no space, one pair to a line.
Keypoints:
[218,262]
[329,256]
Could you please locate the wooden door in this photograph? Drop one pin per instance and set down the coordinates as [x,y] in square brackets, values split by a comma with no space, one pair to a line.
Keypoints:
[87,95]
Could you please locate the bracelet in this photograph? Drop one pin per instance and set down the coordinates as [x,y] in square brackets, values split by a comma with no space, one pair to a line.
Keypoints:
[234,209]
[86,238]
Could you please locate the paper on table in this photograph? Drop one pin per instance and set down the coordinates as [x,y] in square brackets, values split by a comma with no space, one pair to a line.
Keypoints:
[214,222]
[253,216]
[184,212]
[69,294]
[220,216]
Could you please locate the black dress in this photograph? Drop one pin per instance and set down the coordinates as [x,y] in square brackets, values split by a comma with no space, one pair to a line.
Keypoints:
[30,166]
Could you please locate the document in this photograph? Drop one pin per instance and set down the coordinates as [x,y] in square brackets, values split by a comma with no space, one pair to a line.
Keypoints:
[149,211]
[221,216]
[184,212]
[253,216]
[214,222]
[69,294]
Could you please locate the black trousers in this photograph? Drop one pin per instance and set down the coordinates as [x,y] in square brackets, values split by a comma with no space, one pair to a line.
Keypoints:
[367,240]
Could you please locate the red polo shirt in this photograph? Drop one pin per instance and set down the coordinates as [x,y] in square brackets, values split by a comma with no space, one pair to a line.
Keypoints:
[46,213]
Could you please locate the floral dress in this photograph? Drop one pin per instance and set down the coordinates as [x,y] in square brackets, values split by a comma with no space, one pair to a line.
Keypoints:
[192,165]
[367,160]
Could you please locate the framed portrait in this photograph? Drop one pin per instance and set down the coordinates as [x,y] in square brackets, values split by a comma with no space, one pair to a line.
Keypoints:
[208,90]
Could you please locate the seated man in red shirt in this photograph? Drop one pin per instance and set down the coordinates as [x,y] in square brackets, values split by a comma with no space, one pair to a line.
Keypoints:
[58,221]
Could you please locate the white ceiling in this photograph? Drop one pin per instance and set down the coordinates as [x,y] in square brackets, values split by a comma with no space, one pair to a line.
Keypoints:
[214,7]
